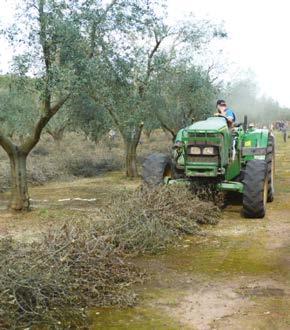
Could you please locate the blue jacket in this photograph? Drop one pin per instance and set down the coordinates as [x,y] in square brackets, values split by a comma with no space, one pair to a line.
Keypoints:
[231,114]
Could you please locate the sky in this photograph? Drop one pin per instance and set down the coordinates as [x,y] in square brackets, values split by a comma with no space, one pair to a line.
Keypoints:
[258,37]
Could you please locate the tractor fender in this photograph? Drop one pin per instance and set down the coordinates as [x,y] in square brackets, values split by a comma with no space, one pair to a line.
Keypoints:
[255,144]
[257,138]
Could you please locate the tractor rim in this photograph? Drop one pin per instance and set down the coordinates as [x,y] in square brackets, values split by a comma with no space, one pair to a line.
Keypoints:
[167,172]
[265,193]
[272,175]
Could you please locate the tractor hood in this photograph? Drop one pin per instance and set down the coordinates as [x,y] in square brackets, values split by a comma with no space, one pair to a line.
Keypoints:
[212,134]
[210,124]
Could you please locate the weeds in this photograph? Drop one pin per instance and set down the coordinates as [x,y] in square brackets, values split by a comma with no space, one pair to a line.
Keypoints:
[89,167]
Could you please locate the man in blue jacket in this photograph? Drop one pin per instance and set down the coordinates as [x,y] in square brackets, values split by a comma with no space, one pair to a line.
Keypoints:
[231,119]
[226,112]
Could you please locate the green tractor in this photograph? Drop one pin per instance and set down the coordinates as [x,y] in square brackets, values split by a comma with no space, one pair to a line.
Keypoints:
[238,159]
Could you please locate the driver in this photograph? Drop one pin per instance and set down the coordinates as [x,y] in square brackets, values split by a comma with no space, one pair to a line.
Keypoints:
[226,112]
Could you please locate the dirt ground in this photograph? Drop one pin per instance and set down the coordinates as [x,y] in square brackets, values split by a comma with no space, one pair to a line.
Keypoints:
[237,276]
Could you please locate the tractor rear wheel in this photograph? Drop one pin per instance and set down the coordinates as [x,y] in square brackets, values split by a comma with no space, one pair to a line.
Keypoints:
[270,158]
[255,189]
[156,168]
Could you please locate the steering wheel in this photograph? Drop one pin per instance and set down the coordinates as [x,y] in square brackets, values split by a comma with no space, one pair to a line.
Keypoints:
[222,116]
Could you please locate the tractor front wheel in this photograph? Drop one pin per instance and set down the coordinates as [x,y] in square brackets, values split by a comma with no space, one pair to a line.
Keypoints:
[255,189]
[156,168]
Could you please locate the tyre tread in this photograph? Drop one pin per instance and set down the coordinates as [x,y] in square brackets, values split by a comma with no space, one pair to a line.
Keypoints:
[153,168]
[254,179]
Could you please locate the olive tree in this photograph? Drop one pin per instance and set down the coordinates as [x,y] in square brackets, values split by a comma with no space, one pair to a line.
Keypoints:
[46,33]
[182,94]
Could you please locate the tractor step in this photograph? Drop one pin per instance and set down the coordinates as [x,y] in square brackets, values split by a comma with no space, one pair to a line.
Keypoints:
[230,186]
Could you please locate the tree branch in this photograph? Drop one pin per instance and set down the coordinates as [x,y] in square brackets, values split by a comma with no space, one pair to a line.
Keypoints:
[45,50]
[165,126]
[59,104]
[6,143]
[114,117]
[33,139]
[138,134]
[110,5]
[151,55]
[93,30]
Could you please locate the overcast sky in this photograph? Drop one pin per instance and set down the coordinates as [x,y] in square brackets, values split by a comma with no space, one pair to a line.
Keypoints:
[258,37]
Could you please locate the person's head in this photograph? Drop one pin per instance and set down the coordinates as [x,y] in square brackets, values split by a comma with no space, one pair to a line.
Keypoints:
[221,106]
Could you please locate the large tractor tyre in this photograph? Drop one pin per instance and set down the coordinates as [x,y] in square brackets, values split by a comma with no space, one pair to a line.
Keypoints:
[255,189]
[270,158]
[156,168]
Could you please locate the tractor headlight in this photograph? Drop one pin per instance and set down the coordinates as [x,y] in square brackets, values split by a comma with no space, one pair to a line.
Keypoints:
[195,151]
[208,151]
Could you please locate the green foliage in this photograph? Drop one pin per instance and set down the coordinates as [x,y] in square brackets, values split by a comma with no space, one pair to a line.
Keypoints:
[18,107]
[52,27]
[89,118]
[181,95]
[39,77]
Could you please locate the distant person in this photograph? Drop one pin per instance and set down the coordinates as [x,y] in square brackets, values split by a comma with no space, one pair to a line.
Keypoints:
[284,131]
[271,127]
[223,110]
[251,126]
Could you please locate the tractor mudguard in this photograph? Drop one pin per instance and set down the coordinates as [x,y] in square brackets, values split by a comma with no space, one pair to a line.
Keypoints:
[255,144]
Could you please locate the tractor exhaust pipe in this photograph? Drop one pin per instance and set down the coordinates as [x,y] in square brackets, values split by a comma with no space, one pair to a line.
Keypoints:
[245,124]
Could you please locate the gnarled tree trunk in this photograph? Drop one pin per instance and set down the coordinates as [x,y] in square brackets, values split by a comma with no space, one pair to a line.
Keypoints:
[131,144]
[18,155]
[131,159]
[19,191]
